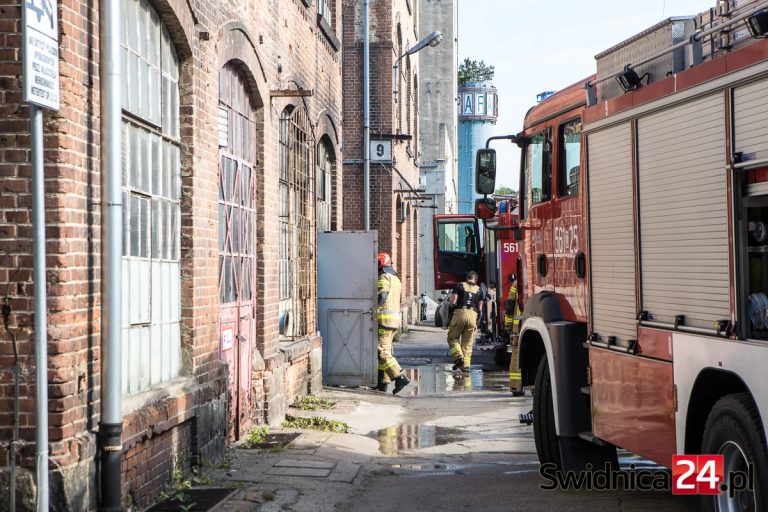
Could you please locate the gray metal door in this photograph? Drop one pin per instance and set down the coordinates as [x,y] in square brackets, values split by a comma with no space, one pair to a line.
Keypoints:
[346,301]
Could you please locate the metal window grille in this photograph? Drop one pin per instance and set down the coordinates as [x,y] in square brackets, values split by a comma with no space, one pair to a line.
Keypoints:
[237,191]
[297,238]
[151,197]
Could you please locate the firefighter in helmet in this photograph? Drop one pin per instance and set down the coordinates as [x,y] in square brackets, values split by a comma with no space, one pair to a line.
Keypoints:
[467,304]
[512,326]
[389,322]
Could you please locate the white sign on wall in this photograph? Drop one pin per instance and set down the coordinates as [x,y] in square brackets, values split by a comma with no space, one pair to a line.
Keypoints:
[381,150]
[469,107]
[480,99]
[41,53]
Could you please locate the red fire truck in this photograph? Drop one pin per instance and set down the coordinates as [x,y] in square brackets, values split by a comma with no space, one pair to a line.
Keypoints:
[463,243]
[644,218]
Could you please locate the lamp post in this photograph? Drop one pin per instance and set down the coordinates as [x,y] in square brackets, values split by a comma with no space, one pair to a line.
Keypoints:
[432,40]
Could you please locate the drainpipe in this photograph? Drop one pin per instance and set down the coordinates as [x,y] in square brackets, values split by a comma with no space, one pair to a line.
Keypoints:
[366,116]
[41,308]
[111,422]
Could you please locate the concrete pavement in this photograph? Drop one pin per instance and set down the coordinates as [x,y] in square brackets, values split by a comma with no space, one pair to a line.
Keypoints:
[446,444]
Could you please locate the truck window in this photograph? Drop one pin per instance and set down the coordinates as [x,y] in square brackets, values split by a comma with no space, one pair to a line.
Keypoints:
[570,161]
[538,169]
[457,237]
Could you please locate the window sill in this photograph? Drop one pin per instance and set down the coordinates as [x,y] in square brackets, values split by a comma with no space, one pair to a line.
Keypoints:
[175,388]
[327,31]
[296,349]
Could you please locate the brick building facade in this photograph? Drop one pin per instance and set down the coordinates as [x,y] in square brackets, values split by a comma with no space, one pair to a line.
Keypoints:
[231,133]
[393,30]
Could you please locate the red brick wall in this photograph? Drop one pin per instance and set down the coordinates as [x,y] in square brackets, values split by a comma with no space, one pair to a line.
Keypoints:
[165,424]
[398,239]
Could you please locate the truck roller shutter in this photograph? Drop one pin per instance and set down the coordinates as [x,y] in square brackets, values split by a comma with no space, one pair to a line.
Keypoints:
[751,118]
[683,213]
[612,241]
[750,113]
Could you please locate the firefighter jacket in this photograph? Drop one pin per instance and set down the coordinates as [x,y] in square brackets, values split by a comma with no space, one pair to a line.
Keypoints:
[389,312]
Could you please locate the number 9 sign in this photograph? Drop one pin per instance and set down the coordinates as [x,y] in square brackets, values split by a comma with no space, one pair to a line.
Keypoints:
[381,150]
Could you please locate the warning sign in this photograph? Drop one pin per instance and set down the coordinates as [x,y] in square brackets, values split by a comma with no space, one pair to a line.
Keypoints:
[41,53]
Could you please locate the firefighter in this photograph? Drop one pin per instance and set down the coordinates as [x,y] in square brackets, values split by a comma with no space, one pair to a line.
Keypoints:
[467,304]
[389,323]
[512,326]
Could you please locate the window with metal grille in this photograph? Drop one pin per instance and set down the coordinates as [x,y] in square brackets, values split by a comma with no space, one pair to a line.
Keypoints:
[151,199]
[297,272]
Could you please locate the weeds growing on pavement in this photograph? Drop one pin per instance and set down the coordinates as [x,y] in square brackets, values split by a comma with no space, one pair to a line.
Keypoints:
[256,437]
[316,423]
[313,403]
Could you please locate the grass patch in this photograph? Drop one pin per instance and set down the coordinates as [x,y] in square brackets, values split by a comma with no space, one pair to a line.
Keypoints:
[313,403]
[268,496]
[256,437]
[316,423]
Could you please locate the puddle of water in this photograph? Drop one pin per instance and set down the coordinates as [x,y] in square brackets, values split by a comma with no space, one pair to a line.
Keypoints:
[437,378]
[406,437]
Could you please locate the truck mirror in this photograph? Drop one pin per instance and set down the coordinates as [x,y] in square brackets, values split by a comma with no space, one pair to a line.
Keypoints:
[485,208]
[485,171]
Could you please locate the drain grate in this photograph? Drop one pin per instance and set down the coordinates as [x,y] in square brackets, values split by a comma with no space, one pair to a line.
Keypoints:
[193,500]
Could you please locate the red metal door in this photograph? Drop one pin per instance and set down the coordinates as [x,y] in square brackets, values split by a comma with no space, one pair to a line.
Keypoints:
[237,245]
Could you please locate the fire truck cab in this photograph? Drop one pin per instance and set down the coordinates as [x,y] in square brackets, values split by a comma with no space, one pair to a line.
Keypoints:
[643,216]
[465,242]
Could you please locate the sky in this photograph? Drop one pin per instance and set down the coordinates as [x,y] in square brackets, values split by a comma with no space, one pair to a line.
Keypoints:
[541,46]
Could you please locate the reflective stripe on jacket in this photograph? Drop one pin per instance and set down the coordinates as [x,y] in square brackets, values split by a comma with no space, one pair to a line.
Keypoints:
[389,312]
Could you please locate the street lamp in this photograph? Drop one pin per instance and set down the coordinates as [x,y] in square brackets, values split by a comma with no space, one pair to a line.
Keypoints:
[432,40]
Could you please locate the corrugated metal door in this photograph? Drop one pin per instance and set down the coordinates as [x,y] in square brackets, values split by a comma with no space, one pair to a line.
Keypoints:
[611,228]
[683,213]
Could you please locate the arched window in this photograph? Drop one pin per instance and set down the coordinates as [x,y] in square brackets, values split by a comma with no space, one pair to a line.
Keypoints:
[399,105]
[408,100]
[296,230]
[151,199]
[323,184]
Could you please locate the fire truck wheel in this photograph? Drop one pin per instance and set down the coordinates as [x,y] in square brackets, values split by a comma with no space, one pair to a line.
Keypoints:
[733,430]
[438,318]
[544,432]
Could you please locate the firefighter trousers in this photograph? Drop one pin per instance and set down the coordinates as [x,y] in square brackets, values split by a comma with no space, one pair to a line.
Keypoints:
[388,365]
[461,335]
[515,375]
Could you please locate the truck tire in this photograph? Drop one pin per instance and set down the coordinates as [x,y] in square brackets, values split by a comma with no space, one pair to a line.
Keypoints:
[544,431]
[734,430]
[438,318]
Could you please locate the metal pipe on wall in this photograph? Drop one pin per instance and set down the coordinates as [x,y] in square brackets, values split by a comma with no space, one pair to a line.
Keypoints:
[366,116]
[41,307]
[111,422]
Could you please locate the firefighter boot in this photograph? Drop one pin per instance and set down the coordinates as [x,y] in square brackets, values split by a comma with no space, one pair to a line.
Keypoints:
[458,364]
[400,383]
[381,386]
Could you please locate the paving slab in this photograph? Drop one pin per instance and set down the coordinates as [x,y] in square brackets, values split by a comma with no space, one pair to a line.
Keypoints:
[309,464]
[300,472]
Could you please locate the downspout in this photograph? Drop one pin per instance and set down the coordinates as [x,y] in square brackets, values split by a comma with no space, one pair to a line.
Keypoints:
[366,116]
[111,422]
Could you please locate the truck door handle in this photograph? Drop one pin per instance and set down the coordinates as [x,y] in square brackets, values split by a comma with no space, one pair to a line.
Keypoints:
[541,264]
